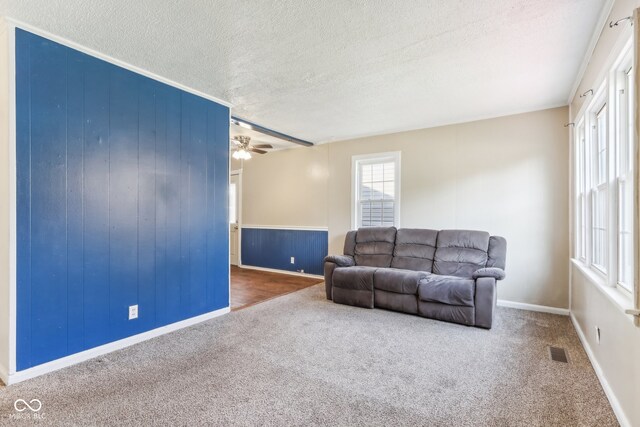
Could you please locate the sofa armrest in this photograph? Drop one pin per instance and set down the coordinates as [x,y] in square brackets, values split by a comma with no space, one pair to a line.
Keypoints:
[330,264]
[485,301]
[340,260]
[496,273]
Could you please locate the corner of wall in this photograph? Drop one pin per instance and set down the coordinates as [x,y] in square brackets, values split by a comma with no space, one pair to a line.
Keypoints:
[5,196]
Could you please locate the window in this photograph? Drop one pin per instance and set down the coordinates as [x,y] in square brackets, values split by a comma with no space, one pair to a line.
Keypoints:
[604,150]
[376,190]
[624,173]
[599,189]
[581,193]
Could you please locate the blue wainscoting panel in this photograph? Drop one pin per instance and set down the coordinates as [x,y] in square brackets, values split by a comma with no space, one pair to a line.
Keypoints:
[273,248]
[122,199]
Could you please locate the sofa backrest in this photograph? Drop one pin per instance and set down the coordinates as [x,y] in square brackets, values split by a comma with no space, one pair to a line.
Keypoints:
[497,254]
[374,246]
[461,252]
[447,252]
[350,243]
[414,249]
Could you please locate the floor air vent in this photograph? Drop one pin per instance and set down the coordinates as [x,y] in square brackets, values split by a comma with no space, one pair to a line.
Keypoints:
[558,354]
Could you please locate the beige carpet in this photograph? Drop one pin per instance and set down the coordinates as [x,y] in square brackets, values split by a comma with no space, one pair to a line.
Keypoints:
[302,360]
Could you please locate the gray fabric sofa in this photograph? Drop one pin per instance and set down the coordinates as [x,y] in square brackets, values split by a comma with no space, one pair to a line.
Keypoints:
[448,275]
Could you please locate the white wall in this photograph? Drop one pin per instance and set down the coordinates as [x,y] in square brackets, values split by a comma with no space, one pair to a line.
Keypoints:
[617,357]
[506,175]
[286,188]
[4,198]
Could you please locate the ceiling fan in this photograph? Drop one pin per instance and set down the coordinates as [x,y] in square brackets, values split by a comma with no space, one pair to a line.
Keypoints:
[243,148]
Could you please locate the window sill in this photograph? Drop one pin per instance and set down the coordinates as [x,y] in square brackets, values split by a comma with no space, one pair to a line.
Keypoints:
[620,299]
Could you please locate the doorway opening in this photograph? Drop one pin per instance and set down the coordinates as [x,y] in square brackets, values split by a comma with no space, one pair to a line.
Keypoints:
[235,198]
[250,284]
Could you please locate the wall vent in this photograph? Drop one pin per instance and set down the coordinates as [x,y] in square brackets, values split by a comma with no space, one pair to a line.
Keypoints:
[558,354]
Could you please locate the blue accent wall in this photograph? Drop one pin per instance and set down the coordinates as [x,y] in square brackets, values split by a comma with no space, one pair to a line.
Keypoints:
[122,189]
[271,248]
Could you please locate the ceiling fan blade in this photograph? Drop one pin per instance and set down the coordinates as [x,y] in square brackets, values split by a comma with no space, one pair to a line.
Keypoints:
[256,150]
[262,146]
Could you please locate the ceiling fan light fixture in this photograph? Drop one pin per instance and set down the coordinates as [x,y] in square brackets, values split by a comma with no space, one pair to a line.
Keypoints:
[241,154]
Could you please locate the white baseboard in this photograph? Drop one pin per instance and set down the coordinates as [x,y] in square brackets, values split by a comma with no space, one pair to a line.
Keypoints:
[104,349]
[608,391]
[273,270]
[533,307]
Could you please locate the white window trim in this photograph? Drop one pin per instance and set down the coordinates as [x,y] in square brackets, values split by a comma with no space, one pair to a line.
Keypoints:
[394,156]
[580,193]
[600,102]
[624,63]
[581,219]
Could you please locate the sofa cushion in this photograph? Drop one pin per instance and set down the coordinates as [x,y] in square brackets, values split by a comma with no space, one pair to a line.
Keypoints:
[449,313]
[398,281]
[404,303]
[358,277]
[374,246]
[376,234]
[414,249]
[353,297]
[460,252]
[447,290]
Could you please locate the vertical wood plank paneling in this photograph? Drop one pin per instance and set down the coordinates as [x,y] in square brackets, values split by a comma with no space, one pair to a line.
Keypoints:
[96,205]
[211,194]
[172,199]
[23,195]
[146,205]
[48,204]
[198,207]
[185,204]
[74,196]
[219,213]
[160,199]
[271,248]
[122,200]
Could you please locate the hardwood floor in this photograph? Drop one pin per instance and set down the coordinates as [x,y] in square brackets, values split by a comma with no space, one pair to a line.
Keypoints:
[249,287]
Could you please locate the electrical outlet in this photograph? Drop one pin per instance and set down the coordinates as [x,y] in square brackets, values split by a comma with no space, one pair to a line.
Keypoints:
[597,334]
[133,312]
[293,260]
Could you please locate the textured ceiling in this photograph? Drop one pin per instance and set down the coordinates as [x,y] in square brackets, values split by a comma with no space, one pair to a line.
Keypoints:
[336,69]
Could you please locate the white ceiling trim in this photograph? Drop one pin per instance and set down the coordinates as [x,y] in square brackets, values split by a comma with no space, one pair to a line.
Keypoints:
[73,45]
[597,31]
